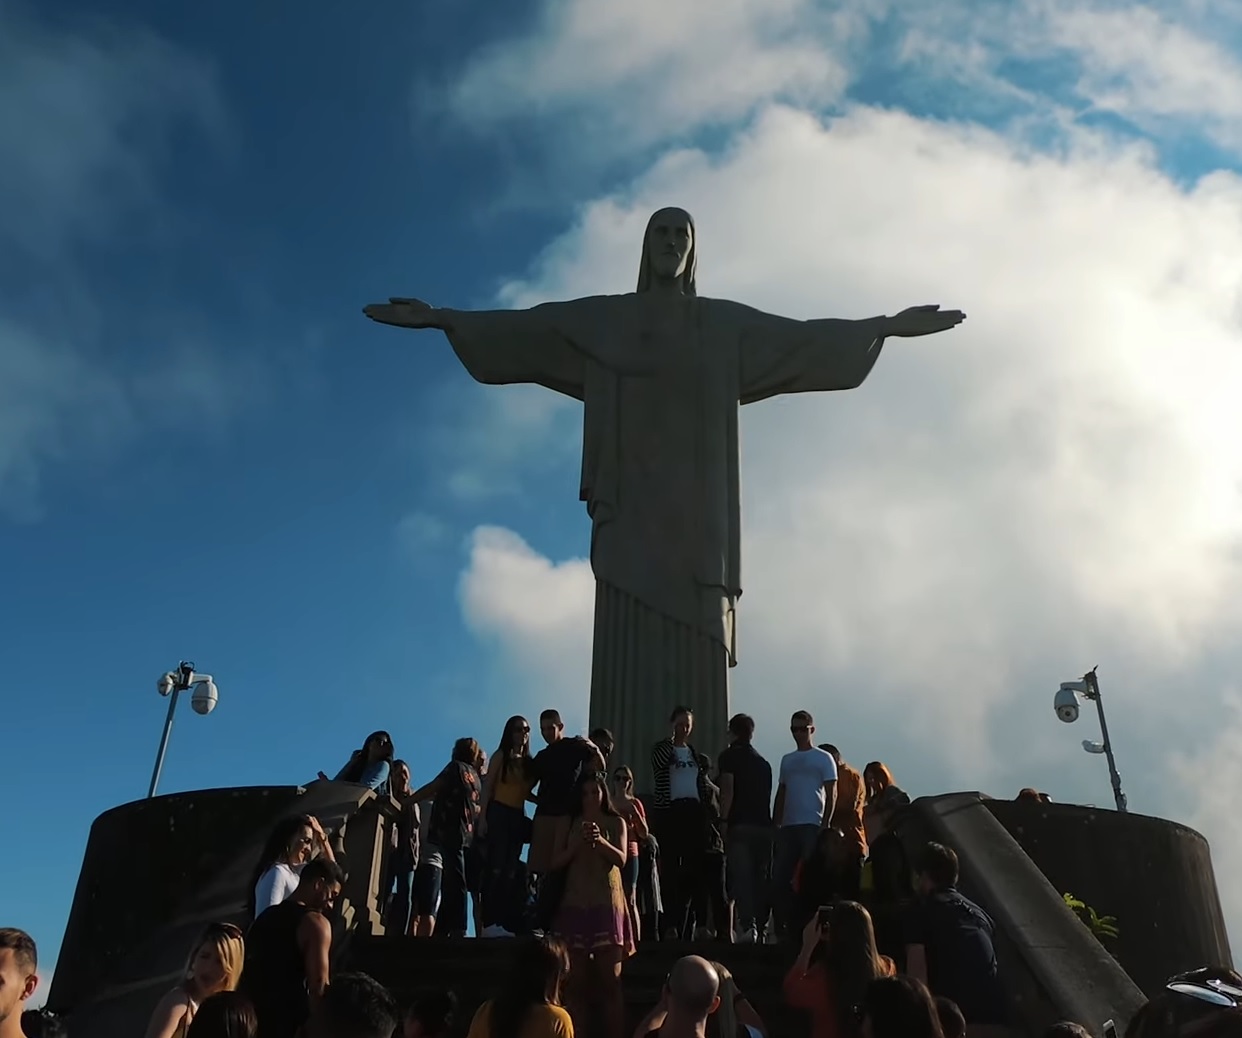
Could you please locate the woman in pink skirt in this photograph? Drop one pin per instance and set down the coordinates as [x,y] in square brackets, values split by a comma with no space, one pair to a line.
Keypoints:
[594,918]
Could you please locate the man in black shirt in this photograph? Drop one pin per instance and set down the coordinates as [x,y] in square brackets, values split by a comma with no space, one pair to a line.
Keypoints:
[287,951]
[746,807]
[949,940]
[605,743]
[556,769]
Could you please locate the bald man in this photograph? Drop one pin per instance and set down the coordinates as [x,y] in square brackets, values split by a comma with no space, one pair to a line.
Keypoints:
[691,995]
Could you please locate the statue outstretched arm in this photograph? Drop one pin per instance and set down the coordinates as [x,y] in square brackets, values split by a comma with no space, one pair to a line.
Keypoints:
[497,347]
[404,312]
[780,355]
[922,320]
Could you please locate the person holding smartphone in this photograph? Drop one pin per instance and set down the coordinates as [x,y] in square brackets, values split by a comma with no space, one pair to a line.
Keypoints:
[837,962]
[593,917]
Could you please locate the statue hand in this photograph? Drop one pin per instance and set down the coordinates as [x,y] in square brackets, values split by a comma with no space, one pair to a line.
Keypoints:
[922,320]
[407,313]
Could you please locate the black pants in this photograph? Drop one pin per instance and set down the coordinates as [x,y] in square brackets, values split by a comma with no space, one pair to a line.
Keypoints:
[710,895]
[680,828]
[504,875]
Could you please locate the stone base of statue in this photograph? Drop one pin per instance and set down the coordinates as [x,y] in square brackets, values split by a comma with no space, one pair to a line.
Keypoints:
[644,665]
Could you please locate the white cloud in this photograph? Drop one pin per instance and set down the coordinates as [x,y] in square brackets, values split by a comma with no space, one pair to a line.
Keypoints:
[612,77]
[1054,485]
[538,613]
[645,68]
[61,403]
[475,444]
[1214,771]
[85,119]
[1145,66]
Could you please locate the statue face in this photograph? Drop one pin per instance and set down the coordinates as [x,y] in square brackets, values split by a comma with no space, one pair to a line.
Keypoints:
[669,241]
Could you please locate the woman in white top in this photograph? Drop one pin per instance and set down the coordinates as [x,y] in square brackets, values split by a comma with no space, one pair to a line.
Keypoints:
[215,965]
[291,845]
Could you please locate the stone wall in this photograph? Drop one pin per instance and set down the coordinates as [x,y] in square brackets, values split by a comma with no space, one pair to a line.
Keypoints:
[1154,875]
[141,861]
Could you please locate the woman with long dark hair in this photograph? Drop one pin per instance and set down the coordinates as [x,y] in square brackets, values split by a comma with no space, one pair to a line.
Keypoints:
[593,917]
[370,765]
[454,815]
[504,829]
[291,844]
[529,1006]
[898,1007]
[837,963]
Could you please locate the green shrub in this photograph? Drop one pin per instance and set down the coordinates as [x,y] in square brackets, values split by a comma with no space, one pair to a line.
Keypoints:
[1104,927]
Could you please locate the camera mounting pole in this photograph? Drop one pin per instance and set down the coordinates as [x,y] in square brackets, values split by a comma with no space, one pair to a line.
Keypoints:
[1093,692]
[172,685]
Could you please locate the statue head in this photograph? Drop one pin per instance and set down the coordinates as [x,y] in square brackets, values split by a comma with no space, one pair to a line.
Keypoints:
[669,253]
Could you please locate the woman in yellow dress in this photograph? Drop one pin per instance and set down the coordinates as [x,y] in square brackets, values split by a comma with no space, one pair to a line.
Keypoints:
[594,917]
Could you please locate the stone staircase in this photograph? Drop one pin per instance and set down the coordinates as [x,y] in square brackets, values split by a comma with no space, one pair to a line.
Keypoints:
[474,969]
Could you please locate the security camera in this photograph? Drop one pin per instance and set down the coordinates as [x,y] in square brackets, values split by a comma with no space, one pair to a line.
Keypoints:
[1066,705]
[166,684]
[205,697]
[1091,746]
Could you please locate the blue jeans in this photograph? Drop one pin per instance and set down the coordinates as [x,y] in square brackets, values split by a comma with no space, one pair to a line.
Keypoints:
[398,921]
[748,855]
[794,844]
[503,898]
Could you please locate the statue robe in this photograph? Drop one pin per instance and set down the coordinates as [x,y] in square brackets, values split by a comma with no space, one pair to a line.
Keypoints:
[661,378]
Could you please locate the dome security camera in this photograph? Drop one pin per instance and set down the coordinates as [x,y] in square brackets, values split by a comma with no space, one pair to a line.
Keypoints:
[1066,705]
[205,697]
[166,684]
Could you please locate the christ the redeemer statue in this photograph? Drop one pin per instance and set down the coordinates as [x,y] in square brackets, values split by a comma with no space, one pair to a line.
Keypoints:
[661,372]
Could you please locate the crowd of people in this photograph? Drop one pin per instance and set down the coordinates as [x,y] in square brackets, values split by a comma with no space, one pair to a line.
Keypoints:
[859,995]
[883,946]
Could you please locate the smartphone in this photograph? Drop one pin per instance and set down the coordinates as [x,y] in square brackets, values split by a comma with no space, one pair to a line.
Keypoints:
[825,914]
[1109,1029]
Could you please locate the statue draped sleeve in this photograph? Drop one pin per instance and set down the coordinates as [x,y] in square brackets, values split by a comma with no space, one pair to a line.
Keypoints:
[780,355]
[502,347]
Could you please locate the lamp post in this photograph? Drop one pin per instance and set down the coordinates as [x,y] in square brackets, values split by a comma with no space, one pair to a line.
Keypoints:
[1066,705]
[203,701]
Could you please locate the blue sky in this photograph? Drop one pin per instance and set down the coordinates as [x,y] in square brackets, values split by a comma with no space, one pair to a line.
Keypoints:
[207,452]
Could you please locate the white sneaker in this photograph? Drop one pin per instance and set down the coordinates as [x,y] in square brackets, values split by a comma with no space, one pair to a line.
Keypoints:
[496,930]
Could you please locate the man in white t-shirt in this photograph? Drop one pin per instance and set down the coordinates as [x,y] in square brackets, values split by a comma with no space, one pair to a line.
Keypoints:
[805,800]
